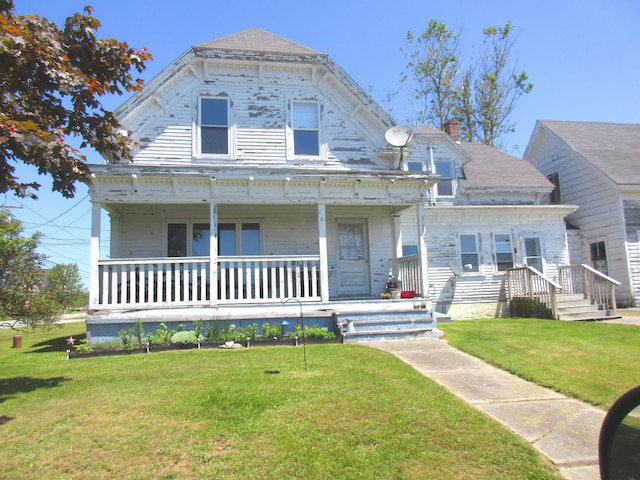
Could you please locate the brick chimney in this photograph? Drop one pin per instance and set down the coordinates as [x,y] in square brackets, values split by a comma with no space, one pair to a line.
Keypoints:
[452,128]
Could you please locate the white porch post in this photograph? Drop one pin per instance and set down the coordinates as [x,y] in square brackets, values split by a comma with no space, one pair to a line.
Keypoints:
[397,232]
[422,251]
[94,255]
[322,247]
[213,253]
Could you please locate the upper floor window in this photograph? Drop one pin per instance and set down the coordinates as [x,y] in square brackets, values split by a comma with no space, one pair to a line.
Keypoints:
[504,251]
[414,166]
[306,130]
[444,187]
[554,197]
[469,257]
[214,126]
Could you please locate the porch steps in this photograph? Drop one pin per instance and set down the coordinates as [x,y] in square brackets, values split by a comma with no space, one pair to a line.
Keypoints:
[575,307]
[389,325]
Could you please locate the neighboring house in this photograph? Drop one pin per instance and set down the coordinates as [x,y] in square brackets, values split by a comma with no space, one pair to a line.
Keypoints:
[488,213]
[263,187]
[596,166]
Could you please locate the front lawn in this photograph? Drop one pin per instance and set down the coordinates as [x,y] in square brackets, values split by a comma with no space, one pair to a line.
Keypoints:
[592,361]
[356,412]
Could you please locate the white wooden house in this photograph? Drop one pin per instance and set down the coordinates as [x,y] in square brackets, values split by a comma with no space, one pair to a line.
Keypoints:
[597,167]
[488,213]
[261,176]
[263,187]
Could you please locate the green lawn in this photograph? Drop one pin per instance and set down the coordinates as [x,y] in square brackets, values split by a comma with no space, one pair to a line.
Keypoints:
[356,413]
[592,361]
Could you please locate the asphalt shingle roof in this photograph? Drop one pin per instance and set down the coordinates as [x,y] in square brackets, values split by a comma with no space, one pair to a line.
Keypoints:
[258,40]
[491,168]
[614,148]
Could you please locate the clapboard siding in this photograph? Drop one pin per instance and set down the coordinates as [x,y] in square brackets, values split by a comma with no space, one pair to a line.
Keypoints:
[599,216]
[259,119]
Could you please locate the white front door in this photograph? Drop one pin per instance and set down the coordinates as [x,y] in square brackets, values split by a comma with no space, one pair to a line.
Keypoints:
[353,258]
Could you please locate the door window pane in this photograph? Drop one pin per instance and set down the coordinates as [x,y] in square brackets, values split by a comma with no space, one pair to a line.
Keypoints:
[351,241]
[534,253]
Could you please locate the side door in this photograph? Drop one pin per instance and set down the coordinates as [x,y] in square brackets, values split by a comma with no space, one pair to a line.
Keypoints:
[353,258]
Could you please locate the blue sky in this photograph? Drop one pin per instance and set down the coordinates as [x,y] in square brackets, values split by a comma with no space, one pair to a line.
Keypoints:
[583,57]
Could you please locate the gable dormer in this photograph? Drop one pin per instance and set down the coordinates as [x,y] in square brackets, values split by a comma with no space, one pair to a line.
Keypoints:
[256,99]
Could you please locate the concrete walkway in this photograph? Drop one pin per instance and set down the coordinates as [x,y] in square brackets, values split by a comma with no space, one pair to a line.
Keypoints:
[563,429]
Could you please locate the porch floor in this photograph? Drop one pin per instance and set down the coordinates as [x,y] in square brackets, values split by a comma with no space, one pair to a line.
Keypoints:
[287,309]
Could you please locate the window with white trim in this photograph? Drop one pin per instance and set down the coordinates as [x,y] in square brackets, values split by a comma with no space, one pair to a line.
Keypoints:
[469,258]
[444,187]
[239,238]
[306,128]
[554,196]
[187,239]
[504,251]
[533,253]
[214,126]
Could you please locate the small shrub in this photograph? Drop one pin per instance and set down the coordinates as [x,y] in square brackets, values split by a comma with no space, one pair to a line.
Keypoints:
[197,327]
[126,337]
[139,333]
[271,330]
[184,337]
[163,335]
[313,331]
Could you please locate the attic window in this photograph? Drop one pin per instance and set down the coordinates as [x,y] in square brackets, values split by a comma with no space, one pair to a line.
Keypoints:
[306,131]
[554,197]
[214,126]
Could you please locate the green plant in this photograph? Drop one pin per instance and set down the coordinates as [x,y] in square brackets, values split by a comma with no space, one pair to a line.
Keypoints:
[184,337]
[313,331]
[83,346]
[126,337]
[139,333]
[197,327]
[271,330]
[162,335]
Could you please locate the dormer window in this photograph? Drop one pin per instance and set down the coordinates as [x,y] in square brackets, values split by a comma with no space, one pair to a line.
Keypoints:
[214,126]
[306,130]
[444,187]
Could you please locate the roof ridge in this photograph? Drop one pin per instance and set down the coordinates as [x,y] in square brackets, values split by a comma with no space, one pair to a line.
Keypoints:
[257,39]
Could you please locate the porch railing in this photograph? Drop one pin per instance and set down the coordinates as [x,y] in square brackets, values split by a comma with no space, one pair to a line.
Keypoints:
[527,288]
[594,285]
[409,273]
[186,280]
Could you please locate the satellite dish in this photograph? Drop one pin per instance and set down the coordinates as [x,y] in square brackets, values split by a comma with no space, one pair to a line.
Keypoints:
[456,268]
[398,136]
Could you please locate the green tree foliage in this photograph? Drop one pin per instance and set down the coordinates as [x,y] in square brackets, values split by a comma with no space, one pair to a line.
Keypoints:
[23,300]
[64,283]
[481,93]
[432,59]
[51,83]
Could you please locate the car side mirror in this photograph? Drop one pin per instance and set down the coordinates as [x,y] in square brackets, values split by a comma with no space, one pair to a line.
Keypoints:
[619,443]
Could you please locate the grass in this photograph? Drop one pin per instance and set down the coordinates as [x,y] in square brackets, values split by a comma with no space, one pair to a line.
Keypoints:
[595,362]
[356,413]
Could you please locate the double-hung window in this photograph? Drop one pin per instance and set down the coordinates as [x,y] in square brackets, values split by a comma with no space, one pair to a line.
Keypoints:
[469,257]
[306,129]
[187,239]
[214,126]
[504,251]
[444,187]
[239,238]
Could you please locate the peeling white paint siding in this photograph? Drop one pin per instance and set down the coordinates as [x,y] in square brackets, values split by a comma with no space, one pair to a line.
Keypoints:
[260,121]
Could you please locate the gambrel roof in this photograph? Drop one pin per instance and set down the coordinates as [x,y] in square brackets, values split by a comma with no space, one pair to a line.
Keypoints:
[613,148]
[491,168]
[257,40]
